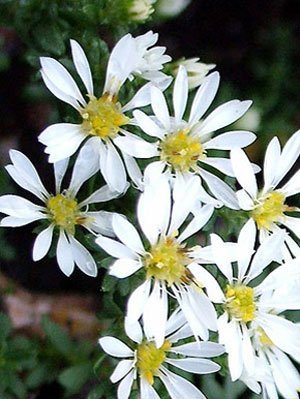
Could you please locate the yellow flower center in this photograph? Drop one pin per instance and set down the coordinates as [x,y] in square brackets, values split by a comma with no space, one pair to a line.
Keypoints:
[64,212]
[103,117]
[150,358]
[240,302]
[167,261]
[263,338]
[269,210]
[181,150]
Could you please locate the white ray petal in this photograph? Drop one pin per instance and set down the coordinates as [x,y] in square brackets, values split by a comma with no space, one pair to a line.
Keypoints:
[64,255]
[136,146]
[147,124]
[199,349]
[115,347]
[245,248]
[125,385]
[197,222]
[115,248]
[128,234]
[123,268]
[271,162]
[114,172]
[103,194]
[244,171]
[222,256]
[122,369]
[159,106]
[230,140]
[292,187]
[179,388]
[82,66]
[83,258]
[42,243]
[195,365]
[137,300]
[180,93]
[133,171]
[14,205]
[133,330]
[60,169]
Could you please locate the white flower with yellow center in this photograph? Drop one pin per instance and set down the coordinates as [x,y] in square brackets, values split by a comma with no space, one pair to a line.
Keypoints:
[61,211]
[183,146]
[267,207]
[102,118]
[148,362]
[165,259]
[248,305]
[196,71]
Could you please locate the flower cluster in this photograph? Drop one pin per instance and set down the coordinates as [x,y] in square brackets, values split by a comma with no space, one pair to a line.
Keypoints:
[241,298]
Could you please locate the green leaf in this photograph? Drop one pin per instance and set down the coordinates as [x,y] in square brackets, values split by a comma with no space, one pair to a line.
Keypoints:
[37,377]
[58,337]
[5,327]
[73,378]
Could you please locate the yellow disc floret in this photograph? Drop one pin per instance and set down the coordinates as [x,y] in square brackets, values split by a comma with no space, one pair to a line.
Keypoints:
[103,117]
[167,261]
[181,151]
[240,302]
[269,210]
[150,358]
[63,211]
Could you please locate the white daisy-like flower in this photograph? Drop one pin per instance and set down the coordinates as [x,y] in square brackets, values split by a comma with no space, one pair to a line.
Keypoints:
[102,118]
[254,307]
[140,10]
[60,211]
[148,362]
[181,145]
[267,206]
[196,70]
[164,258]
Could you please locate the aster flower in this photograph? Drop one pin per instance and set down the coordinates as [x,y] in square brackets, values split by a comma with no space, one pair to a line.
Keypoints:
[60,211]
[148,362]
[250,307]
[164,258]
[267,206]
[196,70]
[181,145]
[102,118]
[140,10]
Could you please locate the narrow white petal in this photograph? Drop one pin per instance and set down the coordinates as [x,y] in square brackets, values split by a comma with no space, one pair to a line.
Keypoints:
[271,162]
[147,124]
[222,164]
[123,368]
[180,94]
[83,258]
[42,243]
[134,171]
[64,149]
[82,66]
[60,169]
[222,256]
[114,172]
[114,347]
[159,106]
[204,97]
[128,234]
[244,171]
[245,248]
[224,115]
[136,146]
[292,187]
[230,140]
[60,133]
[133,330]
[115,248]
[292,224]
[124,388]
[197,222]
[103,194]
[100,222]
[137,300]
[195,365]
[124,267]
[204,278]
[64,255]
[245,201]
[147,392]
[12,221]
[199,349]
[61,78]
[179,387]
[16,206]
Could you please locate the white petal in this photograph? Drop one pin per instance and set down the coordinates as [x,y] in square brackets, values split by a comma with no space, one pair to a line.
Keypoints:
[114,172]
[224,115]
[103,194]
[133,330]
[147,392]
[124,267]
[124,388]
[60,169]
[83,258]
[245,201]
[134,171]
[195,365]
[197,222]
[245,248]
[292,224]
[147,124]
[136,146]
[61,78]
[100,222]
[199,349]
[64,255]
[25,174]
[115,248]
[86,165]
[292,187]
[155,315]
[19,207]
[115,347]
[204,97]
[230,140]
[220,190]
[123,367]
[60,133]
[127,233]
[179,388]
[244,171]
[221,256]
[271,162]
[180,94]
[11,221]
[137,300]
[205,279]
[42,243]
[82,66]
[57,152]
[159,106]
[222,164]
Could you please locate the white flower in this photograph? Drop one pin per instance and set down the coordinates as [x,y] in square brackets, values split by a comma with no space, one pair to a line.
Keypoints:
[171,8]
[140,10]
[147,361]
[250,307]
[60,211]
[102,118]
[182,146]
[165,258]
[250,121]
[196,72]
[267,206]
